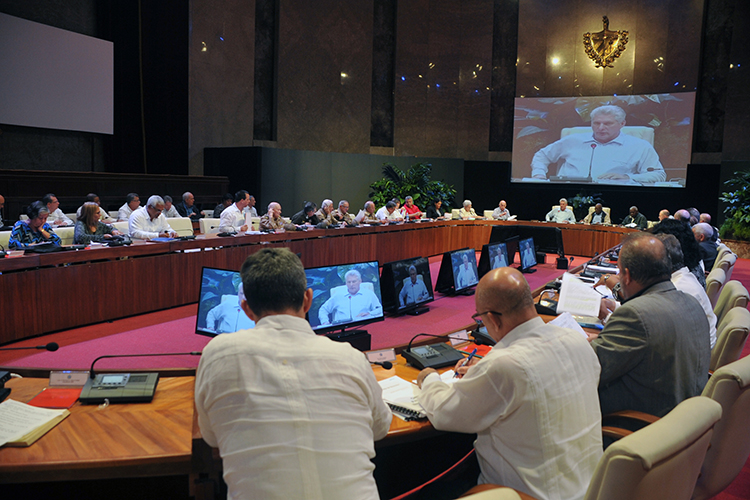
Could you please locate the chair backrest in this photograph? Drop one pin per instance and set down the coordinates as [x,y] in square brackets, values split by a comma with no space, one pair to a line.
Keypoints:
[730,445]
[488,214]
[209,225]
[254,223]
[455,213]
[604,209]
[115,214]
[66,234]
[721,251]
[731,335]
[733,294]
[72,216]
[23,217]
[5,238]
[183,226]
[727,264]
[660,461]
[714,283]
[121,226]
[340,290]
[645,133]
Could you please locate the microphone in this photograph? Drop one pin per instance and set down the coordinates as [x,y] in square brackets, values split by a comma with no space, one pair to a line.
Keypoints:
[92,375]
[591,162]
[385,364]
[52,346]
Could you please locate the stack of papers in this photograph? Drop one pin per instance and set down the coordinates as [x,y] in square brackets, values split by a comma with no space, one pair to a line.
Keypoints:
[22,424]
[401,396]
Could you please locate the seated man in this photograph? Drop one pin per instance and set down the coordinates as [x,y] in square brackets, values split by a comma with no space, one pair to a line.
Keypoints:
[56,216]
[306,216]
[226,202]
[147,223]
[467,212]
[233,219]
[368,214]
[342,216]
[467,276]
[531,400]
[654,350]
[414,290]
[562,214]
[103,215]
[605,155]
[250,208]
[187,208]
[132,201]
[704,217]
[664,214]
[273,221]
[228,316]
[501,212]
[636,218]
[410,209]
[388,213]
[34,230]
[356,303]
[707,247]
[436,211]
[169,209]
[598,216]
[294,414]
[325,214]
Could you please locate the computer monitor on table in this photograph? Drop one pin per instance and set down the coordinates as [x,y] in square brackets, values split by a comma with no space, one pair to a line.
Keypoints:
[527,254]
[458,272]
[493,255]
[219,308]
[406,286]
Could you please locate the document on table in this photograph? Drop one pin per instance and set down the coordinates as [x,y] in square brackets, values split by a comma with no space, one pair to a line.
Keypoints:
[18,421]
[566,320]
[401,396]
[576,297]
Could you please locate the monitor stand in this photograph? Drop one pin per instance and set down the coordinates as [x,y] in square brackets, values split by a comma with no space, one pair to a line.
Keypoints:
[417,311]
[359,339]
[528,270]
[466,291]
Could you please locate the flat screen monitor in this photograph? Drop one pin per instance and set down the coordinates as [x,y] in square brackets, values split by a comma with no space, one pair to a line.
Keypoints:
[527,252]
[636,140]
[344,296]
[219,308]
[493,255]
[511,245]
[406,286]
[458,272]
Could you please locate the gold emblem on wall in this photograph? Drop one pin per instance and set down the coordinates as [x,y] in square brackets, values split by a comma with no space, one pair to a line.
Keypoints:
[605,46]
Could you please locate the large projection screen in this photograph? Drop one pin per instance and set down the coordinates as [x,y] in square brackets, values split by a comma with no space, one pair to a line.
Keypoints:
[52,78]
[556,139]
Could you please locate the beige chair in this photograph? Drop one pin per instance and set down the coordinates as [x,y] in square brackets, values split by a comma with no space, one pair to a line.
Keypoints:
[714,283]
[4,239]
[731,335]
[121,226]
[115,214]
[455,214]
[183,226]
[488,214]
[733,294]
[209,225]
[72,216]
[255,223]
[730,445]
[721,252]
[66,234]
[494,492]
[727,263]
[341,290]
[661,461]
[645,133]
[23,217]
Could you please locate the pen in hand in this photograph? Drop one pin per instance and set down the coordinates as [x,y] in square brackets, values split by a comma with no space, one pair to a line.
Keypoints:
[466,362]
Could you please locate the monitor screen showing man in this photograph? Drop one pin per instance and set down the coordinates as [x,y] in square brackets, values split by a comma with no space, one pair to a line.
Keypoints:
[629,140]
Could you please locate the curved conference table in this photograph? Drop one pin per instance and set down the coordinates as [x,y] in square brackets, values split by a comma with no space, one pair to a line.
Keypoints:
[71,289]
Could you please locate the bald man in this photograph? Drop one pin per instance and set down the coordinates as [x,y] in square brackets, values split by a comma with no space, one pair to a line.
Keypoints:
[531,400]
[655,349]
[272,221]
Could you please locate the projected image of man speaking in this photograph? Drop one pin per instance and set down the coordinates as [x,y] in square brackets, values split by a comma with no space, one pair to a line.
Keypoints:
[606,155]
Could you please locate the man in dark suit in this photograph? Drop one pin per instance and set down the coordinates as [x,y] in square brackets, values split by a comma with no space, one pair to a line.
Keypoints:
[187,208]
[654,350]
[708,248]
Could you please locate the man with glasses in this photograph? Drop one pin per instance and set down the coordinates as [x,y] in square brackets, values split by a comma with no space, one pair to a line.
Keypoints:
[532,400]
[147,223]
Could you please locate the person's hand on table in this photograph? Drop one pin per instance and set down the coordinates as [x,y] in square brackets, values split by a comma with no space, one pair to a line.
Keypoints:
[423,374]
[608,280]
[606,307]
[462,366]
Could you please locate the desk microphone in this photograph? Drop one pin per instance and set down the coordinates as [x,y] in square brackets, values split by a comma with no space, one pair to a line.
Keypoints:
[52,346]
[385,364]
[92,375]
[591,162]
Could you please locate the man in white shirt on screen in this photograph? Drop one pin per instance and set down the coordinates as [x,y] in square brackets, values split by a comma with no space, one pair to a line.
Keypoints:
[294,414]
[147,223]
[500,260]
[232,218]
[528,258]
[356,304]
[532,400]
[467,276]
[606,155]
[414,290]
[228,316]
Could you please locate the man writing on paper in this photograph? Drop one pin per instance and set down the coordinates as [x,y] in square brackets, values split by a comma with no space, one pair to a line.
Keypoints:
[532,400]
[294,414]
[605,155]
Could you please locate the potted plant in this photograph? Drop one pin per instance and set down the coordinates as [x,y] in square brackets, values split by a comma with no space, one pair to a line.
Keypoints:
[735,231]
[415,182]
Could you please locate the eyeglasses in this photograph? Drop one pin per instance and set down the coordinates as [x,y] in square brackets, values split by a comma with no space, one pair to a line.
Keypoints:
[477,317]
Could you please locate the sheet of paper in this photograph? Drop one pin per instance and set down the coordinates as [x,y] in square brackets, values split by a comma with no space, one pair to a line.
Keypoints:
[566,320]
[360,215]
[18,419]
[576,297]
